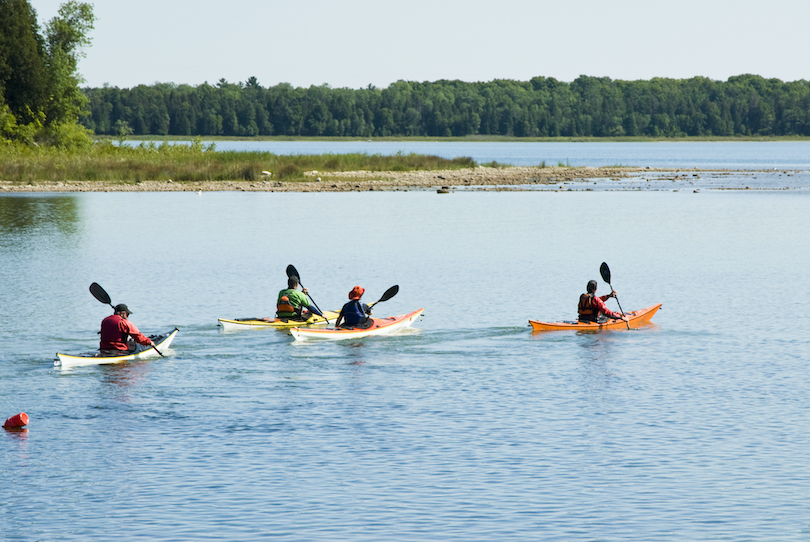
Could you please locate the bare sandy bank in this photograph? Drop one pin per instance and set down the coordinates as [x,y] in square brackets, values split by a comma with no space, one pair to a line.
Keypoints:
[487,178]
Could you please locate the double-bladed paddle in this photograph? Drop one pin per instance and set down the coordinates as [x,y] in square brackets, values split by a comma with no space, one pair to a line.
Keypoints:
[389,293]
[604,270]
[293,272]
[101,294]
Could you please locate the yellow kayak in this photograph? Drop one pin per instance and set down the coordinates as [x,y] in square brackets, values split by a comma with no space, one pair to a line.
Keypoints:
[249,323]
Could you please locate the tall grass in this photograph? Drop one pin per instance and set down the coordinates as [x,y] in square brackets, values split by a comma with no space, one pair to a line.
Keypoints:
[122,163]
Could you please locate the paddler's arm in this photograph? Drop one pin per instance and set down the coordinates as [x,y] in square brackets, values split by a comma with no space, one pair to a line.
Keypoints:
[600,302]
[339,318]
[136,335]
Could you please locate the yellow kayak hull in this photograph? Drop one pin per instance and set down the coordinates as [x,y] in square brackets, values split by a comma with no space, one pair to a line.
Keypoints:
[252,323]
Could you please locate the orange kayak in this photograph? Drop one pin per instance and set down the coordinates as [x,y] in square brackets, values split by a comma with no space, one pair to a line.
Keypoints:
[637,319]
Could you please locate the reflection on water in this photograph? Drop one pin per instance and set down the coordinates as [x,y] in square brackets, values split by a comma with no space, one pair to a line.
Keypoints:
[120,378]
[36,213]
[468,427]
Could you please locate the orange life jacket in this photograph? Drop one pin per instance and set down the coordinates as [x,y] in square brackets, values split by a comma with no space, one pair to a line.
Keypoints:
[588,311]
[284,305]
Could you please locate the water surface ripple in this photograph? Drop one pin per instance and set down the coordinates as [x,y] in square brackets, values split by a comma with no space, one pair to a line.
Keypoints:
[468,427]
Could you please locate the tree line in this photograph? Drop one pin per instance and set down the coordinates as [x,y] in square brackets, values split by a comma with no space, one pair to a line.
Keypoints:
[744,105]
[40,98]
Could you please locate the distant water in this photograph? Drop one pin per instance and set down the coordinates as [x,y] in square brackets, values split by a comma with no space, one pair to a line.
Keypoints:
[466,428]
[704,155]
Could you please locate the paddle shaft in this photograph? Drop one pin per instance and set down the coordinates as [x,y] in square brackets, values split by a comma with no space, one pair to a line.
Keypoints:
[292,271]
[604,270]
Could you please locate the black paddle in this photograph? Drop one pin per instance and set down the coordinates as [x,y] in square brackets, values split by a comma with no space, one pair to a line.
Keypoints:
[293,272]
[100,294]
[389,293]
[604,270]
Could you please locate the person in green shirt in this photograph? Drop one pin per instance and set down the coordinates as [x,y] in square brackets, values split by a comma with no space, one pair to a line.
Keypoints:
[292,304]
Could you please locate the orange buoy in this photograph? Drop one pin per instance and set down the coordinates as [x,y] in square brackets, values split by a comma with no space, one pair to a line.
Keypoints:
[16,421]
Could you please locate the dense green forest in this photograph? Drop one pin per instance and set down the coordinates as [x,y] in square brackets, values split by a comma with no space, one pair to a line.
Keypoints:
[745,105]
[40,99]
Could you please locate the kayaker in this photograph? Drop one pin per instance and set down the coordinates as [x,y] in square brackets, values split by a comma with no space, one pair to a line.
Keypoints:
[592,308]
[116,330]
[355,314]
[292,304]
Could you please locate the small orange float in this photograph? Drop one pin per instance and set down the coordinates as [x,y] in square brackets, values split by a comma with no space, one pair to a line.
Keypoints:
[16,421]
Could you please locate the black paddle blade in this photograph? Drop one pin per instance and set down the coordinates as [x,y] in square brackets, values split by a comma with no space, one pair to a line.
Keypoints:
[389,293]
[293,272]
[99,293]
[604,270]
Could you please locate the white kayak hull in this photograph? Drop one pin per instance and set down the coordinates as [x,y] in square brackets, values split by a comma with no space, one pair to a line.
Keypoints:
[382,326]
[66,360]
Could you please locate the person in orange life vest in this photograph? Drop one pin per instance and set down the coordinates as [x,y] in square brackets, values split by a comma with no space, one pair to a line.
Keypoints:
[592,307]
[354,313]
[116,331]
[294,304]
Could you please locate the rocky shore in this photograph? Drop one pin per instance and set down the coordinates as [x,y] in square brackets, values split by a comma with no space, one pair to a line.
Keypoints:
[483,178]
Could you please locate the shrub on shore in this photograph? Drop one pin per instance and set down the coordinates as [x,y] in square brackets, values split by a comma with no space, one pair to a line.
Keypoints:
[107,162]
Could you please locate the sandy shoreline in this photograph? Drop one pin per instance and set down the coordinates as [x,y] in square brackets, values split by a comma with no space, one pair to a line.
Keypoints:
[359,181]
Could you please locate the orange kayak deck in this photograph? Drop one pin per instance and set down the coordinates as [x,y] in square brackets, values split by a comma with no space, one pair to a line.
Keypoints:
[637,318]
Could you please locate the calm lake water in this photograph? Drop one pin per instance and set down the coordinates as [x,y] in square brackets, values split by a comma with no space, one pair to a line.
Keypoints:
[724,155]
[469,426]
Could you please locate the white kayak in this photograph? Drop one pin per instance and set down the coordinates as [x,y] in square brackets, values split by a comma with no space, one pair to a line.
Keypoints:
[163,342]
[381,326]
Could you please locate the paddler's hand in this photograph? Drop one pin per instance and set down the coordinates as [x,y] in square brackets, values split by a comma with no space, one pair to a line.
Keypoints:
[613,293]
[305,291]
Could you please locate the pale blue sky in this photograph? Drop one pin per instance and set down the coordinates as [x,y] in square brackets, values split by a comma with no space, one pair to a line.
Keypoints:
[360,42]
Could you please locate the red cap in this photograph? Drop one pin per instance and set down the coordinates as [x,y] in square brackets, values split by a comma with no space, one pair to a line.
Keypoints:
[356,293]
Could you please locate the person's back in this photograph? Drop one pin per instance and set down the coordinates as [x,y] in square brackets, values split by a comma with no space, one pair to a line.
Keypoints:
[290,302]
[116,330]
[113,334]
[591,308]
[354,313]
[587,310]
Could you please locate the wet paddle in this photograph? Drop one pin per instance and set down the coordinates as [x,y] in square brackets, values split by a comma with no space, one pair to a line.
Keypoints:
[293,272]
[604,270]
[102,295]
[389,293]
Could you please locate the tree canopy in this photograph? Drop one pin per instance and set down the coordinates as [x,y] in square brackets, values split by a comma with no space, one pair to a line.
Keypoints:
[747,105]
[40,98]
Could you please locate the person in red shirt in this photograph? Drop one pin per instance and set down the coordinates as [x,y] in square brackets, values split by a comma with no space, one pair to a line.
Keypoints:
[116,331]
[592,307]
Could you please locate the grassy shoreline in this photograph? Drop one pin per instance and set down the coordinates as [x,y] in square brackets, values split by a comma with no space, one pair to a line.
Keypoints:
[170,166]
[108,163]
[477,178]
